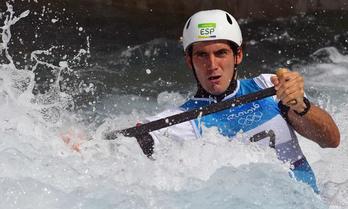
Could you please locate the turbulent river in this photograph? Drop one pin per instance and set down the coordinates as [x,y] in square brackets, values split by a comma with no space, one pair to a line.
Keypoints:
[63,83]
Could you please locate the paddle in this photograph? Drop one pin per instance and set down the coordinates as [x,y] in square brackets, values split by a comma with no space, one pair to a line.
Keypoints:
[189,115]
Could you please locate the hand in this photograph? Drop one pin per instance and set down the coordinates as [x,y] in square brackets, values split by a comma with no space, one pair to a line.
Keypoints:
[74,138]
[290,86]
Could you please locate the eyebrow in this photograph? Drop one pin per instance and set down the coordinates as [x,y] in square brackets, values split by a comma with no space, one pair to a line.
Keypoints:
[219,50]
[199,52]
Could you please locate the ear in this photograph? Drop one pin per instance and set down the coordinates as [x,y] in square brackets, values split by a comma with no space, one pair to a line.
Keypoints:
[239,55]
[188,61]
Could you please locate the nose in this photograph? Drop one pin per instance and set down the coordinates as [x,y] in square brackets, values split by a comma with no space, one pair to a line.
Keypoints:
[211,62]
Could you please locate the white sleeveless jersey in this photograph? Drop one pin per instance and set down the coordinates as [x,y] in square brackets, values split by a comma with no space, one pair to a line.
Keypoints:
[259,121]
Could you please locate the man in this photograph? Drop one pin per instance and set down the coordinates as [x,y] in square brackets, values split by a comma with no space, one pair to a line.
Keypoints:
[212,43]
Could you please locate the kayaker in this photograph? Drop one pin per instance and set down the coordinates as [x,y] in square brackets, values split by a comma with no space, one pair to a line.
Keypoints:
[212,43]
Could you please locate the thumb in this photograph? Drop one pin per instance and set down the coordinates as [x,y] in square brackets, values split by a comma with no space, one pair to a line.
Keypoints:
[275,80]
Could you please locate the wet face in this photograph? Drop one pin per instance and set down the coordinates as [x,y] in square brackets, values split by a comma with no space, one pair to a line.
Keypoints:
[214,63]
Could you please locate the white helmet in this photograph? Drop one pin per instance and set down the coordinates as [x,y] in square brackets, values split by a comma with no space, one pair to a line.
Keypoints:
[211,25]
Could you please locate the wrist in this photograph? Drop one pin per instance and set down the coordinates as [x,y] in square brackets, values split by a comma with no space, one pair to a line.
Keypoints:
[284,110]
[306,109]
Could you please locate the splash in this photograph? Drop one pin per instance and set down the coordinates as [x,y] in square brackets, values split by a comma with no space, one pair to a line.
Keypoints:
[6,32]
[39,171]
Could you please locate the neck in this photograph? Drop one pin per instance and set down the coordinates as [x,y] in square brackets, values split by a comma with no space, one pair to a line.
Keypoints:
[202,93]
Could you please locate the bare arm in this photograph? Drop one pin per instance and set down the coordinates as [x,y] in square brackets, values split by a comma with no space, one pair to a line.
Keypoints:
[316,125]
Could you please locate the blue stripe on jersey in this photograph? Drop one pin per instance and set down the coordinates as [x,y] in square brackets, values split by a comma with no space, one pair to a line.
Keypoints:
[303,172]
[237,119]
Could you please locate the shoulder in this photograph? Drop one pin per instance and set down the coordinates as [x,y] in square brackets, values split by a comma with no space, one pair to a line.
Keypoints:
[258,83]
[264,80]
[180,131]
[166,113]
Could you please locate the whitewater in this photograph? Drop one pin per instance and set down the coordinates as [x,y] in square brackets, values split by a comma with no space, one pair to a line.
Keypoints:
[53,154]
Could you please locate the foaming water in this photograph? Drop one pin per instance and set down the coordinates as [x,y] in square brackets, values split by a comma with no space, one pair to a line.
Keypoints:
[330,67]
[328,73]
[50,159]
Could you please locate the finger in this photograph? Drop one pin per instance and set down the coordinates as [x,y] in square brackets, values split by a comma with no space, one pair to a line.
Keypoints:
[295,89]
[289,80]
[291,99]
[292,86]
[275,82]
[294,83]
[284,94]
[289,75]
[286,76]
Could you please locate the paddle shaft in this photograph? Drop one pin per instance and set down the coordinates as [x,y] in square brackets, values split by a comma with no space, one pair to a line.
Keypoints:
[190,115]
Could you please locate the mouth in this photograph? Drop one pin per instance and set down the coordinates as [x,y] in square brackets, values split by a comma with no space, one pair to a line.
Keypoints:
[214,78]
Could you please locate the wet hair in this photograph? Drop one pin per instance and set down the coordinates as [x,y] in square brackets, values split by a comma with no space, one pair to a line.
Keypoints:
[234,47]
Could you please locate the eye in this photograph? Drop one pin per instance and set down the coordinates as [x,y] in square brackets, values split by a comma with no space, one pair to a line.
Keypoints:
[221,53]
[201,54]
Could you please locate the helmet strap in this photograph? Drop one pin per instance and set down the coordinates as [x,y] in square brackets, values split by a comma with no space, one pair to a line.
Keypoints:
[236,51]
[234,76]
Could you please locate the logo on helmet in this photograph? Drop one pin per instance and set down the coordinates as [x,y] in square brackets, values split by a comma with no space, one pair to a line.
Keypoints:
[206,30]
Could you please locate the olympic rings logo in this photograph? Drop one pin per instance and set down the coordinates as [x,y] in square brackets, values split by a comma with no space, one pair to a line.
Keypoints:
[250,119]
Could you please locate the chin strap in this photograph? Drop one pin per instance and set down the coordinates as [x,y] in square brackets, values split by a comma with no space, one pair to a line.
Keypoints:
[235,64]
